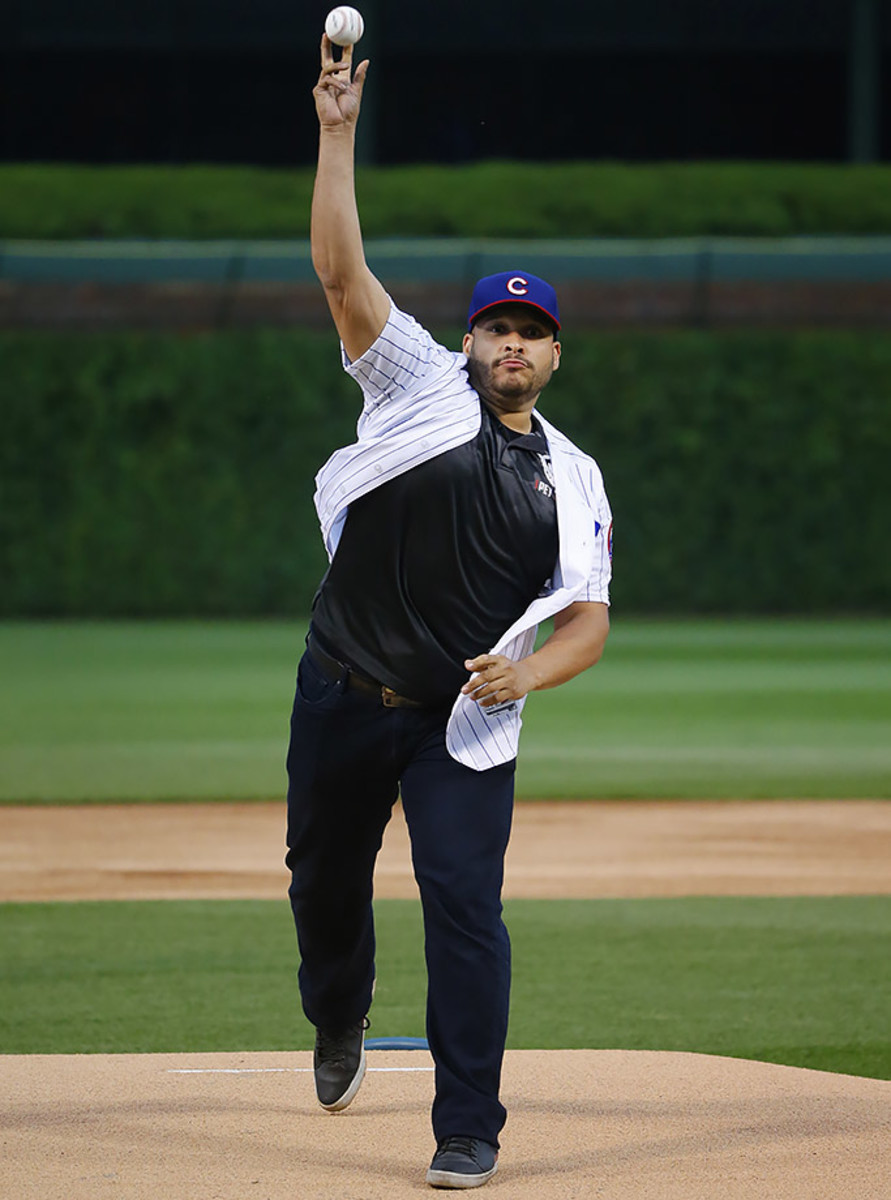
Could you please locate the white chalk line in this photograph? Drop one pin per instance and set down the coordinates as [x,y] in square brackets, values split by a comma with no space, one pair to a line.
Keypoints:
[280,1070]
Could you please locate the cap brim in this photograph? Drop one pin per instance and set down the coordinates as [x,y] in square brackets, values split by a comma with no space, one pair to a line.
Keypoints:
[474,317]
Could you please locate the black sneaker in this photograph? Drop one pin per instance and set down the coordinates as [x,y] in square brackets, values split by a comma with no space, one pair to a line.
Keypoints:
[339,1065]
[462,1162]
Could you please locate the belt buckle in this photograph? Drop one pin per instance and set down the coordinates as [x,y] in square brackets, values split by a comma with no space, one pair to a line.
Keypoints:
[389,698]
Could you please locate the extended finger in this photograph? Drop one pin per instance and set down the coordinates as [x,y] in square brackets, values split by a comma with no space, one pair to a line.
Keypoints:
[360,73]
[329,62]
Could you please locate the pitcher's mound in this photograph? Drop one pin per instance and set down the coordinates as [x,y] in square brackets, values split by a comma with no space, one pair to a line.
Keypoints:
[623,1125]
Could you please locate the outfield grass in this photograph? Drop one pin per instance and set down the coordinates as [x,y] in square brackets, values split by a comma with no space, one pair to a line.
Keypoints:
[746,709]
[800,981]
[708,708]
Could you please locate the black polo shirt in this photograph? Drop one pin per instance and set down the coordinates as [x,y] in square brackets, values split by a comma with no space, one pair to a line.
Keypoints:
[433,566]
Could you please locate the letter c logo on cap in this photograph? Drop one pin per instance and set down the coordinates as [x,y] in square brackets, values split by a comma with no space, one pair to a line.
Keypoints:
[518,286]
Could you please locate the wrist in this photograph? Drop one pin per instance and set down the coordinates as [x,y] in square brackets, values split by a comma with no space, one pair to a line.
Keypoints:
[338,131]
[535,676]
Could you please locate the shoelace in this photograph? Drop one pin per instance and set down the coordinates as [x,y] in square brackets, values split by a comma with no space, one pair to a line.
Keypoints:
[461,1145]
[332,1047]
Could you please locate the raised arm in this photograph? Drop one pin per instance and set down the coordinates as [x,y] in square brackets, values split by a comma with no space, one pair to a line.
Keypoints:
[358,303]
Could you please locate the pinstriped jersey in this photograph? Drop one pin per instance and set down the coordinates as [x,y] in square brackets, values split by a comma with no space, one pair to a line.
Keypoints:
[418,404]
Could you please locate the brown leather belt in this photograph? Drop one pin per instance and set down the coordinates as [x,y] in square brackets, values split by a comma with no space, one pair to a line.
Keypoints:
[336,671]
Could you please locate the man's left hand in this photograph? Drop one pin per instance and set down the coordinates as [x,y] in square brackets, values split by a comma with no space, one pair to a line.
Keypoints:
[577,642]
[496,679]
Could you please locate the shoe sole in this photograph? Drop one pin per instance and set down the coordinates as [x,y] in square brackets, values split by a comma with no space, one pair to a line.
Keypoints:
[349,1095]
[457,1179]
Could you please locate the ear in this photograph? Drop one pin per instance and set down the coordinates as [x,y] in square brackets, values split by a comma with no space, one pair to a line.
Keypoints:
[558,351]
[467,343]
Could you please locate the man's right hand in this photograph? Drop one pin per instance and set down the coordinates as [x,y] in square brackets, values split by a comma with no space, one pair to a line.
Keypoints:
[357,300]
[338,97]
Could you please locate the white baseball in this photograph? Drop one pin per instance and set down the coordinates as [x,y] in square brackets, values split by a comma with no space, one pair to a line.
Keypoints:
[344,26]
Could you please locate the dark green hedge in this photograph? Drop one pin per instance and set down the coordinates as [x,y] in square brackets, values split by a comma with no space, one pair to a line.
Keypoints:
[492,199]
[153,475]
[747,471]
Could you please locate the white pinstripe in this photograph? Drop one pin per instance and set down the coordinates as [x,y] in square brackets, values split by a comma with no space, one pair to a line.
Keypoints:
[418,403]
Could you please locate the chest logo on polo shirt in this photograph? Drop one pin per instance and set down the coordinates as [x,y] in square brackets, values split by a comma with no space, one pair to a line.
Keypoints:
[545,486]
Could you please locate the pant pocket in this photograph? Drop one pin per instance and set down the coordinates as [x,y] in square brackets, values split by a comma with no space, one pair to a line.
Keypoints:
[314,687]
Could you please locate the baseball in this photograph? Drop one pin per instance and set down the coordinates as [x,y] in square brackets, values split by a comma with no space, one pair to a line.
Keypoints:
[344,26]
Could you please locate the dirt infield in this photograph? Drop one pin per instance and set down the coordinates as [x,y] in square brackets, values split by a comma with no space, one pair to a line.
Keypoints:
[617,1125]
[777,848]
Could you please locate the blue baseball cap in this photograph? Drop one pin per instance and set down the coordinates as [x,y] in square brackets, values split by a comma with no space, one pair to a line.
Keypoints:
[513,287]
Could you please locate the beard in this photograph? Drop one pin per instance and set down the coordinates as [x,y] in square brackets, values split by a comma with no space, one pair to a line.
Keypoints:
[511,391]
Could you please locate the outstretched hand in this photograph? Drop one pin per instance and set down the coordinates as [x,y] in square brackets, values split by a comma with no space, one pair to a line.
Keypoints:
[338,94]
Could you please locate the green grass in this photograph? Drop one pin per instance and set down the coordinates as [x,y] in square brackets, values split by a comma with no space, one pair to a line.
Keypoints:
[797,981]
[133,711]
[199,710]
[758,709]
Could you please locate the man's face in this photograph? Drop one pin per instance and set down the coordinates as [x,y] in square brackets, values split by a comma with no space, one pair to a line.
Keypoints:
[511,356]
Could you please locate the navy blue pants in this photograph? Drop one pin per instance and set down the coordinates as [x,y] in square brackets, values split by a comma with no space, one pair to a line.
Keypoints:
[348,760]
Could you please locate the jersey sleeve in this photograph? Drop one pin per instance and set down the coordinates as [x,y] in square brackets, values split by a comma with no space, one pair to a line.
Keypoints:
[403,356]
[599,514]
[597,586]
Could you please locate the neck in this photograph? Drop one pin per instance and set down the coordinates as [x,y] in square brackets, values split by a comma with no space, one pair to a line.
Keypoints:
[518,419]
[520,422]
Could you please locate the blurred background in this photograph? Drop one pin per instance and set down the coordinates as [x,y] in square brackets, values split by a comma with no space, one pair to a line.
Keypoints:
[707,185]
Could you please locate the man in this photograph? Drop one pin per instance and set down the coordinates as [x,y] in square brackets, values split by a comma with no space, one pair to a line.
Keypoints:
[458,520]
